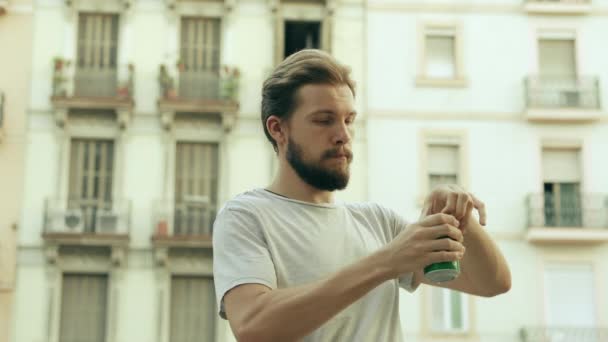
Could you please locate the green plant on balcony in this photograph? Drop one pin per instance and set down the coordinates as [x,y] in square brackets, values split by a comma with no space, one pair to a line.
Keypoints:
[60,79]
[166,82]
[229,83]
[125,88]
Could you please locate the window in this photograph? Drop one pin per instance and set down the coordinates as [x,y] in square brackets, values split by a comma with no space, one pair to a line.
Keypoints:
[91,179]
[192,309]
[196,185]
[84,299]
[448,310]
[561,306]
[301,35]
[441,54]
[557,58]
[443,164]
[96,63]
[561,187]
[199,62]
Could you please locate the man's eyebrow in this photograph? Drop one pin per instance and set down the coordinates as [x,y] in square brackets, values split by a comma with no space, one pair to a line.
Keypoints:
[329,111]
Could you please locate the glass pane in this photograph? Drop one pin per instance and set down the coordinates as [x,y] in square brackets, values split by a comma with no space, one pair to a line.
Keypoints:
[570,205]
[440,57]
[456,310]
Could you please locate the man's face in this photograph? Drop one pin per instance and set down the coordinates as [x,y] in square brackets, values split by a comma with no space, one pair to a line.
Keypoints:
[319,136]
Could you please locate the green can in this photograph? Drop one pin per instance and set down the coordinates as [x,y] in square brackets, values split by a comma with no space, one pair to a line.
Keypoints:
[442,271]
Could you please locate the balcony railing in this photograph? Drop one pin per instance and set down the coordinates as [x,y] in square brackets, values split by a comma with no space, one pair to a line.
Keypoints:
[562,92]
[111,82]
[220,84]
[576,210]
[563,334]
[87,217]
[187,220]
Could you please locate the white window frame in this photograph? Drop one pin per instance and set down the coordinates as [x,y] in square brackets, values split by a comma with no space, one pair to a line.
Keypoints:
[578,255]
[82,265]
[444,137]
[314,12]
[208,134]
[469,312]
[425,29]
[197,267]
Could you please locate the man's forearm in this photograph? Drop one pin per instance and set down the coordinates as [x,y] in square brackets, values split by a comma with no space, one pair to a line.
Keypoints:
[483,264]
[292,313]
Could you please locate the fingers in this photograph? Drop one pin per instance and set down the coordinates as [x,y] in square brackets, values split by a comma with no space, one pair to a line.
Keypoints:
[481,208]
[443,256]
[439,219]
[451,203]
[444,244]
[443,230]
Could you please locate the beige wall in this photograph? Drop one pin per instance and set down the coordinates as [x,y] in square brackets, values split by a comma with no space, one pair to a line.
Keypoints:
[15,65]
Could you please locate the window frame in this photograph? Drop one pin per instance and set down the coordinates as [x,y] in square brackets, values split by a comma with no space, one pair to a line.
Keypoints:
[425,29]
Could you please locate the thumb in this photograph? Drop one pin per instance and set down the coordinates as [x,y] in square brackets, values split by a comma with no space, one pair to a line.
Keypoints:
[426,209]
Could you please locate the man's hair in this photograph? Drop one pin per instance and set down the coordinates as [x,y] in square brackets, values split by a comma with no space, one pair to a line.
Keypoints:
[307,66]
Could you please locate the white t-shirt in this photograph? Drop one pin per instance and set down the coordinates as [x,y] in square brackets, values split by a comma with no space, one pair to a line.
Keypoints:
[264,238]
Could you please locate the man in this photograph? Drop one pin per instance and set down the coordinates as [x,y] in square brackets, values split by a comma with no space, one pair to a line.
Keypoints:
[291,264]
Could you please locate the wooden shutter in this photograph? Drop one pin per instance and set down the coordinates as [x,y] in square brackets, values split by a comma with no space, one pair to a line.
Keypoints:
[83,308]
[196,183]
[192,309]
[91,176]
[200,55]
[96,73]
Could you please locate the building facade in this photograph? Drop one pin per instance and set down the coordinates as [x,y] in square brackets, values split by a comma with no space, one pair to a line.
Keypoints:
[15,40]
[506,98]
[143,120]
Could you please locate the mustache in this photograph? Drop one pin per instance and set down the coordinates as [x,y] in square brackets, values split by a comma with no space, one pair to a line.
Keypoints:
[334,152]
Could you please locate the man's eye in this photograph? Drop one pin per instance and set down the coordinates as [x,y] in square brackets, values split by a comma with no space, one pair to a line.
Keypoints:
[323,122]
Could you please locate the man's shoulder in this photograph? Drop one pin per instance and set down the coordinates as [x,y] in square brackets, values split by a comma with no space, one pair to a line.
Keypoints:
[249,201]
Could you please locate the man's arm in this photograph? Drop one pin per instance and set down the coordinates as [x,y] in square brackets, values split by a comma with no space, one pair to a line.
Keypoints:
[257,313]
[484,269]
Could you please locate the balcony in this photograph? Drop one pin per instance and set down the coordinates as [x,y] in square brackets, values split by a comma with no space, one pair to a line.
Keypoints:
[205,92]
[185,225]
[92,88]
[562,99]
[87,222]
[562,7]
[565,334]
[581,219]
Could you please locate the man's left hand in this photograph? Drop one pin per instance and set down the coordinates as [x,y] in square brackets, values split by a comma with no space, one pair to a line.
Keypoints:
[455,201]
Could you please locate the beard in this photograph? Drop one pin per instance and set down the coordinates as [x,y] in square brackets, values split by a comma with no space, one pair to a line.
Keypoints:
[314,174]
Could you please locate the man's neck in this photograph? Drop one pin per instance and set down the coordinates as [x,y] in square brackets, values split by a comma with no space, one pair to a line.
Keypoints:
[287,183]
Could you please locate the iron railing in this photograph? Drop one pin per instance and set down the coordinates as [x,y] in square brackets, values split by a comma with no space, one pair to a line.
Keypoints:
[87,216]
[185,218]
[563,334]
[70,81]
[222,84]
[562,92]
[573,210]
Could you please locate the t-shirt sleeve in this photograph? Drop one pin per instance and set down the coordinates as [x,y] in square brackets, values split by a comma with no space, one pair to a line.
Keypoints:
[240,254]
[398,223]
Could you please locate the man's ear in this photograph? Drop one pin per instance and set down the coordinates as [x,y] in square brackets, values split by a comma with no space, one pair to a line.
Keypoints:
[276,129]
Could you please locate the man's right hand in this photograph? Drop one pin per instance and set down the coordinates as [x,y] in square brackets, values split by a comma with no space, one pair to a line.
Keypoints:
[423,243]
